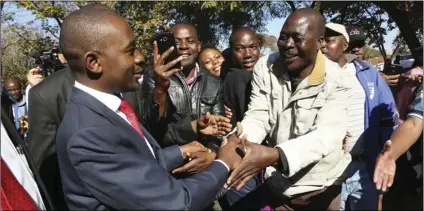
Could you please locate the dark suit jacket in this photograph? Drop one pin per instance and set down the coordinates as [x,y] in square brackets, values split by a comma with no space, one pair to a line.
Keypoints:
[47,101]
[17,141]
[105,164]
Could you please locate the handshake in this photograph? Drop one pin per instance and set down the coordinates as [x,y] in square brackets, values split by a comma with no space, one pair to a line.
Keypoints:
[199,157]
[245,159]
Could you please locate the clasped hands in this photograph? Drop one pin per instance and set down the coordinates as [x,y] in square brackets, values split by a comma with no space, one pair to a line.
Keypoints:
[245,159]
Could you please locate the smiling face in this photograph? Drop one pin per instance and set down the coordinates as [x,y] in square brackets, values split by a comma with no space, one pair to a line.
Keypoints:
[187,43]
[14,89]
[119,63]
[211,60]
[299,42]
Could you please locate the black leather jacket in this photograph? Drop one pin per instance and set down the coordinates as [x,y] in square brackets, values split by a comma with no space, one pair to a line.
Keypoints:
[205,95]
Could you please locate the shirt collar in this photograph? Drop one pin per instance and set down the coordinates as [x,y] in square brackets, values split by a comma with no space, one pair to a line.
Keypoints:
[196,73]
[111,101]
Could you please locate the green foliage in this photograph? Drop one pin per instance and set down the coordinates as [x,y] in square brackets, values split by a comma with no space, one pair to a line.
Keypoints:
[213,20]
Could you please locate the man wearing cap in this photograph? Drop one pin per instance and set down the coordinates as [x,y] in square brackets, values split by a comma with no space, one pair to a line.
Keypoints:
[372,116]
[357,42]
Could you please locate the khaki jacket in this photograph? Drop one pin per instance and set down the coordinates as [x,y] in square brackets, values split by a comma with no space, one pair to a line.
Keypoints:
[308,124]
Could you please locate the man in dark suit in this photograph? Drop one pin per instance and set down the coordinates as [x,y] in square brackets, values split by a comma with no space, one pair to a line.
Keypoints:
[48,100]
[107,160]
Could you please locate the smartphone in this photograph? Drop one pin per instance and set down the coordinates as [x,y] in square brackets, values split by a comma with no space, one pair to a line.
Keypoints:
[166,40]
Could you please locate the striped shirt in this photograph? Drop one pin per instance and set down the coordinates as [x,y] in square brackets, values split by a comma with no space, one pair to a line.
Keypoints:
[356,112]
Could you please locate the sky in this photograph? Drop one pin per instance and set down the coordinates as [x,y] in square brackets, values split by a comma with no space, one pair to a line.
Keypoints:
[273,27]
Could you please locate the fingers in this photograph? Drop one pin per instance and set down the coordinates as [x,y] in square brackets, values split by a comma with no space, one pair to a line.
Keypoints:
[187,167]
[165,55]
[348,134]
[378,175]
[392,77]
[155,52]
[172,63]
[224,141]
[239,129]
[169,73]
[385,182]
[245,179]
[237,173]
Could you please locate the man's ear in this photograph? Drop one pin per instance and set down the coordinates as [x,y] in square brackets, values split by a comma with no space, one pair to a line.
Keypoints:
[92,62]
[200,47]
[320,42]
[345,46]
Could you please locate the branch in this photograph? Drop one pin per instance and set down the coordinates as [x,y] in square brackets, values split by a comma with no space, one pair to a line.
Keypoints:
[292,6]
[57,18]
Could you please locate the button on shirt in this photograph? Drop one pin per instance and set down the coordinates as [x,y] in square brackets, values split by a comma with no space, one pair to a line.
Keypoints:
[111,101]
[356,111]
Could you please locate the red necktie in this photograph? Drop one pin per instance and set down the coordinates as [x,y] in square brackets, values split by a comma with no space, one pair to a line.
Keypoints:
[125,108]
[13,195]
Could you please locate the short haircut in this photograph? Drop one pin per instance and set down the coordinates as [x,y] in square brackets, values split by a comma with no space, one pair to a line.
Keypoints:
[238,30]
[83,31]
[14,80]
[179,23]
[317,20]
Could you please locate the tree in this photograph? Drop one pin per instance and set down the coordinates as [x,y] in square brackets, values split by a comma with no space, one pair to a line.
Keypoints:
[268,43]
[213,20]
[407,16]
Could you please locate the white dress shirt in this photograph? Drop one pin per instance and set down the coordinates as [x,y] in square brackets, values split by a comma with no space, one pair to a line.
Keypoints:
[19,167]
[111,101]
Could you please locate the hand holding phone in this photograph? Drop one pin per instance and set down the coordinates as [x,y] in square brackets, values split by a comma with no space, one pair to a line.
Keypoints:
[162,67]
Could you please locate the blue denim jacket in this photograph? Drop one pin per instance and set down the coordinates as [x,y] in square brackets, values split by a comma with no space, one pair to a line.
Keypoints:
[381,116]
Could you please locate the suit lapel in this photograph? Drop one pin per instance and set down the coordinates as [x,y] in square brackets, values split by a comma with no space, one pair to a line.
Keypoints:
[156,148]
[98,107]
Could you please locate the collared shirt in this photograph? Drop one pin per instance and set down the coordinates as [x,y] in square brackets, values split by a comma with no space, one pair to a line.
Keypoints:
[190,81]
[19,167]
[19,110]
[356,111]
[111,101]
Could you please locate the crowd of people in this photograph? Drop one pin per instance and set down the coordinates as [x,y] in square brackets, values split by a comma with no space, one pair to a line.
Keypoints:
[313,126]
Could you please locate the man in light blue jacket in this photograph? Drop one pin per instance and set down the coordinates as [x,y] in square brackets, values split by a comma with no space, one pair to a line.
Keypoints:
[372,117]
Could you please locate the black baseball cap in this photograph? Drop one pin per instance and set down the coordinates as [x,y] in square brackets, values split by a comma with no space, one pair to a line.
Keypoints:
[356,34]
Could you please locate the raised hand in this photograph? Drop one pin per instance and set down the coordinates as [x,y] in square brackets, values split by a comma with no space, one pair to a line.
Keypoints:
[198,162]
[228,112]
[214,125]
[162,71]
[385,168]
[257,157]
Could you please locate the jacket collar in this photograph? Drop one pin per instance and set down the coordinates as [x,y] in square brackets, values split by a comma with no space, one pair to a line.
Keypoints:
[316,77]
[359,64]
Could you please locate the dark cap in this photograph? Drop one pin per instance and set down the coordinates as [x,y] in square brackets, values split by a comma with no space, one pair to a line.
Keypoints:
[356,34]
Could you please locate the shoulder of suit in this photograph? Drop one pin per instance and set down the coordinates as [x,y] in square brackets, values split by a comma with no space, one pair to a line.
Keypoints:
[56,80]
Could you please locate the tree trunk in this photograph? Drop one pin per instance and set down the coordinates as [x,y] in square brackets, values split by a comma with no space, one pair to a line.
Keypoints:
[400,17]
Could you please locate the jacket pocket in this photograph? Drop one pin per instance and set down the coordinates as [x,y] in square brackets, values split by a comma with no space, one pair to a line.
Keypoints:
[305,115]
[206,105]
